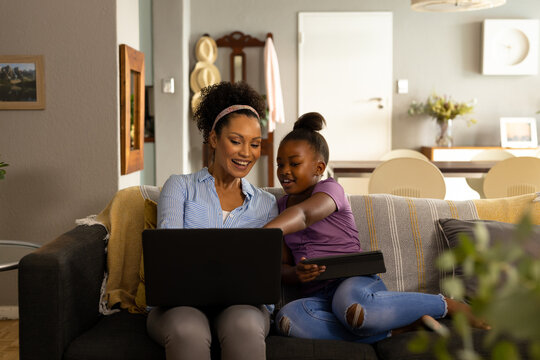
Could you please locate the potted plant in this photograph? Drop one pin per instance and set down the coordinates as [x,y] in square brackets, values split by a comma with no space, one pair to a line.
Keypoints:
[444,110]
[501,280]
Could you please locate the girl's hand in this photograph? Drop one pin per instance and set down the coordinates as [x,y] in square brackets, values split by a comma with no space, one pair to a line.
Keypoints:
[308,272]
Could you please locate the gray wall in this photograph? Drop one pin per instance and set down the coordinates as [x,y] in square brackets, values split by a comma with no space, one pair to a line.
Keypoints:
[63,160]
[435,52]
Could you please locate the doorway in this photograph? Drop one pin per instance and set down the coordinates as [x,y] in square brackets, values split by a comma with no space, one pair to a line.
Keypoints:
[345,73]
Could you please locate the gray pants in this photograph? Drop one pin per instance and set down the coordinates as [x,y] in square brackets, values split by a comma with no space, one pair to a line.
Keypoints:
[185,332]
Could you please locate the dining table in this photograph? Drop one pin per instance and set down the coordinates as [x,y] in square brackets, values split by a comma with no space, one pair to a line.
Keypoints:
[364,168]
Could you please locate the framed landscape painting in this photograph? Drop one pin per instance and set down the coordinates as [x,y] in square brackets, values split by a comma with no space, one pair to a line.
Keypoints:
[22,84]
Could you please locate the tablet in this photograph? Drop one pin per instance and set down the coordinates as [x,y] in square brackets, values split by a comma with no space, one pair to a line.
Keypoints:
[355,264]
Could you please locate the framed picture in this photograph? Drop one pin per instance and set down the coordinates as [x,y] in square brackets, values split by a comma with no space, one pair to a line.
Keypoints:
[518,132]
[22,84]
[131,110]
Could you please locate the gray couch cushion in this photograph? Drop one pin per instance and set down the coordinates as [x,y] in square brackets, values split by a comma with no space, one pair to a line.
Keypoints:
[286,348]
[504,233]
[118,336]
[123,336]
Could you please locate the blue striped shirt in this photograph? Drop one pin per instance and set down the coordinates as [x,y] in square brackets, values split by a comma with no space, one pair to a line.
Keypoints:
[191,201]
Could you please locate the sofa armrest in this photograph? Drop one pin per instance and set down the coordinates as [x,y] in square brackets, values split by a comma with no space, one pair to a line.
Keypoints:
[59,291]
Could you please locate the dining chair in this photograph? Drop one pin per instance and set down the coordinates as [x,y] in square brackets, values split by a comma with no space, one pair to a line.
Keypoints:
[408,177]
[477,184]
[401,153]
[512,177]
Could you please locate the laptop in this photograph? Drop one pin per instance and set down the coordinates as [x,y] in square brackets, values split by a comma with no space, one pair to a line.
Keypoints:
[347,265]
[212,267]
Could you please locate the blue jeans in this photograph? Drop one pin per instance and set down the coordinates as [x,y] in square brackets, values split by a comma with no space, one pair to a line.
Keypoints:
[323,315]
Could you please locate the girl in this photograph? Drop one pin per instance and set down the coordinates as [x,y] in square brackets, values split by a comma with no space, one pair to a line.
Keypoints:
[317,220]
[219,197]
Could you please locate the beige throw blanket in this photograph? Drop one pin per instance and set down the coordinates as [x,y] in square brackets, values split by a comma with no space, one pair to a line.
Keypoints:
[124,220]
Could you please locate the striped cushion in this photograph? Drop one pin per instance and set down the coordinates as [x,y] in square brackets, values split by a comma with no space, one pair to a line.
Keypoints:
[406,231]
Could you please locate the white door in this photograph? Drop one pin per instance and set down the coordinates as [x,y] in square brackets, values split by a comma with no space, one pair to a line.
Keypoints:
[345,73]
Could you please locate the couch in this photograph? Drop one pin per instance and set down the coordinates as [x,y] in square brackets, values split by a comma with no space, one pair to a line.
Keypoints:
[72,304]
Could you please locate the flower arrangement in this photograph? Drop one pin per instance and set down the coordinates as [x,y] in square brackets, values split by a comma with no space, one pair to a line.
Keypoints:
[443,108]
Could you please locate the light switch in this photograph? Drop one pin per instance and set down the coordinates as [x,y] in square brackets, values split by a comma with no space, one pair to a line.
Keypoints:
[403,86]
[168,86]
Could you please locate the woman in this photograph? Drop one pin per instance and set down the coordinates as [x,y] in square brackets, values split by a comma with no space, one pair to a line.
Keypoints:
[218,197]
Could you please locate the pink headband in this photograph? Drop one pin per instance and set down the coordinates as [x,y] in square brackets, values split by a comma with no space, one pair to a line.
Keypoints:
[231,109]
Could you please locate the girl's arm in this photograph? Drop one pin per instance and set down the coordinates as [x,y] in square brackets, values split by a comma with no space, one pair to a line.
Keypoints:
[288,270]
[296,218]
[292,274]
[302,215]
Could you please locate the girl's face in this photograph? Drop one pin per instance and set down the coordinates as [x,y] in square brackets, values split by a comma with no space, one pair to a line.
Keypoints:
[299,167]
[238,146]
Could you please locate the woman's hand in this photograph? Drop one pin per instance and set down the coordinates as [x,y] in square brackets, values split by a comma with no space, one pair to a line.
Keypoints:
[308,272]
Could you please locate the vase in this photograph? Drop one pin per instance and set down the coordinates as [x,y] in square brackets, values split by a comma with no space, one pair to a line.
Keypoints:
[444,134]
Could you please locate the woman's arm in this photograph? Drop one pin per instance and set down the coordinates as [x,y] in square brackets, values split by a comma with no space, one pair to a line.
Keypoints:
[302,215]
[170,208]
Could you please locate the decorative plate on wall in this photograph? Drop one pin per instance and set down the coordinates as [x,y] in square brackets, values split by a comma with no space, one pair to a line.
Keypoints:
[510,47]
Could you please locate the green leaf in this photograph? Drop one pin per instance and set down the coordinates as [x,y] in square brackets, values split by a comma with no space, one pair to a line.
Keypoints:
[524,227]
[441,349]
[420,343]
[467,246]
[468,266]
[534,350]
[468,354]
[446,261]
[481,235]
[505,350]
[454,287]
[462,327]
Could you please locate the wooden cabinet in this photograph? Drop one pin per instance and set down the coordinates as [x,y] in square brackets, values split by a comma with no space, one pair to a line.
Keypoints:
[465,153]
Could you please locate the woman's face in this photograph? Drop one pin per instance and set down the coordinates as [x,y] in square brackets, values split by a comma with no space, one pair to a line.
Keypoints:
[238,146]
[299,168]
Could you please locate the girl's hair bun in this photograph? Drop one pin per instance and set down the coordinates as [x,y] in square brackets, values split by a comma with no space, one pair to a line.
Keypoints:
[307,128]
[312,121]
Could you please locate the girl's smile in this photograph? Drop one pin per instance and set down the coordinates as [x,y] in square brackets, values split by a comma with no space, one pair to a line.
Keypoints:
[298,167]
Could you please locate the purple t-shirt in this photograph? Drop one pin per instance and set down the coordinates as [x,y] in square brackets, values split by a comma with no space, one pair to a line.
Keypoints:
[336,234]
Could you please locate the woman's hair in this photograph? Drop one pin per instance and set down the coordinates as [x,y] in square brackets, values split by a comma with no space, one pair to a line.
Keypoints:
[307,128]
[215,98]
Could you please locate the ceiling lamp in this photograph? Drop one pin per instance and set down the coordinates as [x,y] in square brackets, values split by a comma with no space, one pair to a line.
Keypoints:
[454,5]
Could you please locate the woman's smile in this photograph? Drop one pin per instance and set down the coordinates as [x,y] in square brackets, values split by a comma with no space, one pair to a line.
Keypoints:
[242,164]
[238,147]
